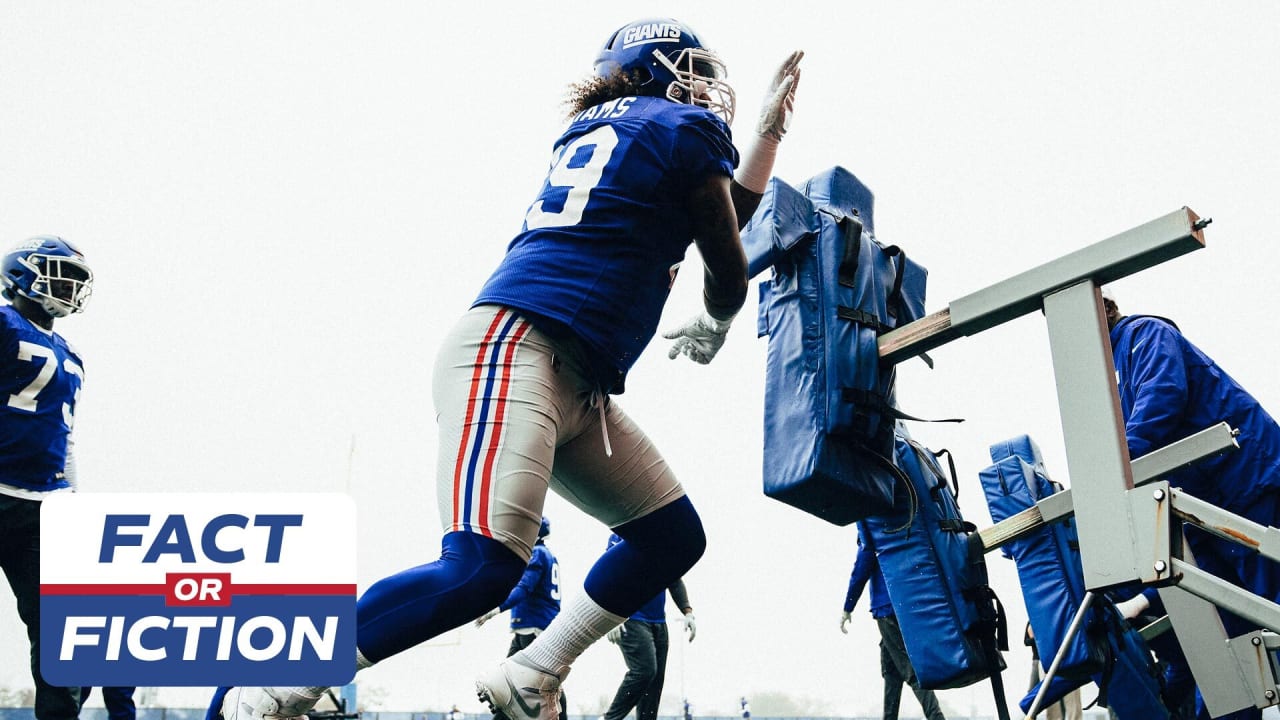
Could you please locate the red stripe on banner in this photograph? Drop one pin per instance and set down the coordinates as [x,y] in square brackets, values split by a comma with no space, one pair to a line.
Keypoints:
[458,475]
[245,589]
[272,589]
[77,589]
[499,417]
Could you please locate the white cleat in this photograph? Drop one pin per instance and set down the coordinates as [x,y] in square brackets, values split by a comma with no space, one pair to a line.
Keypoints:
[269,703]
[520,692]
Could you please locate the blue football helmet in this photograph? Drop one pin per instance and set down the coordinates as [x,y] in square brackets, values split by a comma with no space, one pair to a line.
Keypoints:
[545,529]
[668,60]
[49,271]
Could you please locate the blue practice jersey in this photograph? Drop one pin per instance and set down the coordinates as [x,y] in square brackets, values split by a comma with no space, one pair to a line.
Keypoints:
[866,567]
[601,243]
[1169,389]
[40,377]
[653,611]
[535,601]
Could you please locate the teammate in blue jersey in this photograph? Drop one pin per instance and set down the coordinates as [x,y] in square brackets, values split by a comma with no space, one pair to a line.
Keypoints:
[895,665]
[534,602]
[44,278]
[522,385]
[644,642]
[1170,389]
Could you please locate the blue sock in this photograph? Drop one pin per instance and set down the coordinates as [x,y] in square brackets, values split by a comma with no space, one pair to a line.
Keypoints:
[656,550]
[474,574]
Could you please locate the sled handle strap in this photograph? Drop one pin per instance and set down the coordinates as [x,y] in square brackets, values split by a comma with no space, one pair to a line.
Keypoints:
[848,269]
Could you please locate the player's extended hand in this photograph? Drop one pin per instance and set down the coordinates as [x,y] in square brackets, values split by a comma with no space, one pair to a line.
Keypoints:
[690,625]
[700,338]
[844,623]
[486,617]
[615,635]
[780,98]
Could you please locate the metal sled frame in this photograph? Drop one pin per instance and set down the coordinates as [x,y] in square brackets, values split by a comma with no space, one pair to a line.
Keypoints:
[1129,522]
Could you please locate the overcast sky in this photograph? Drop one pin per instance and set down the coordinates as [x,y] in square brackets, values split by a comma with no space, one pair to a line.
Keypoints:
[288,203]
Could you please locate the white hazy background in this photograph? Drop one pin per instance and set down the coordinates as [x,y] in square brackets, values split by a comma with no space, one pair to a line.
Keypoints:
[287,204]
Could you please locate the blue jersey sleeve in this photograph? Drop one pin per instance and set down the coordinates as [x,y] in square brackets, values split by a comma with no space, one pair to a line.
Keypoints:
[1158,385]
[863,566]
[702,147]
[1170,389]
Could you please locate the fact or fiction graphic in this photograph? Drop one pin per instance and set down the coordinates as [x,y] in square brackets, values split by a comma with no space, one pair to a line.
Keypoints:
[164,589]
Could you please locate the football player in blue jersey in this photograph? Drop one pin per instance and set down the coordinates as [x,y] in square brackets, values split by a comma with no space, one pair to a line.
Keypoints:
[534,602]
[1169,389]
[895,665]
[522,385]
[44,278]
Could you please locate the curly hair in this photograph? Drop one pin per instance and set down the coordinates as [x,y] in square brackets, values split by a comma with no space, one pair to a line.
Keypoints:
[592,91]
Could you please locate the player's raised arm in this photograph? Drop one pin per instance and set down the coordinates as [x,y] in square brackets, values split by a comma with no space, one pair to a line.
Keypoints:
[775,116]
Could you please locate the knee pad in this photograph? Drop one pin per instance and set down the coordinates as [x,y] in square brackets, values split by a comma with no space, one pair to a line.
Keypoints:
[673,532]
[656,550]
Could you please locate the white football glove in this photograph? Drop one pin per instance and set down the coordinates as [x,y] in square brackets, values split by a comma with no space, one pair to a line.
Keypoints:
[615,635]
[700,338]
[486,617]
[775,117]
[1134,606]
[780,98]
[690,625]
[844,622]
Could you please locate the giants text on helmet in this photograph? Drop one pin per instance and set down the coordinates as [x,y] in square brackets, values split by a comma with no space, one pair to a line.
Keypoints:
[650,32]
